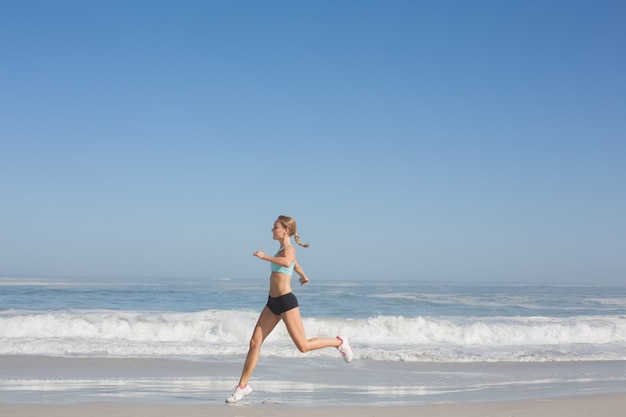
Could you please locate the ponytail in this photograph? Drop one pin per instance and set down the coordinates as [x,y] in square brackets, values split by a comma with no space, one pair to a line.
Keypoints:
[297,239]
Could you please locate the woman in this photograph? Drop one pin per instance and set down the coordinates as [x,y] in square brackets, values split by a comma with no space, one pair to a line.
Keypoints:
[283,305]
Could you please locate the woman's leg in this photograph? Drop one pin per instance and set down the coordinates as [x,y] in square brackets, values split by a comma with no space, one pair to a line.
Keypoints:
[293,322]
[264,326]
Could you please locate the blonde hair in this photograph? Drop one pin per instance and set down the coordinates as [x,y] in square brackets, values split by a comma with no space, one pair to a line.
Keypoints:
[290,225]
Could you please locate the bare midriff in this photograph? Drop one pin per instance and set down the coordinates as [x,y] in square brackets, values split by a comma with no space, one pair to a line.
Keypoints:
[280,284]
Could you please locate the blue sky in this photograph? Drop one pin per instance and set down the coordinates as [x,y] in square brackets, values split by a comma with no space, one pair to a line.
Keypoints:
[452,140]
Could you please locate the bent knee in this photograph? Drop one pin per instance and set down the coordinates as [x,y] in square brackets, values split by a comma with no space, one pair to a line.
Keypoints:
[303,347]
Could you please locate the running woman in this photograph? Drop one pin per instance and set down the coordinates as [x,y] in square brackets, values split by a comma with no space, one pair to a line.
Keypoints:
[283,305]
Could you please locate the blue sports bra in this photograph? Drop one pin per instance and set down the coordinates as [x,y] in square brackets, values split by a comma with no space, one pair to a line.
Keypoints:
[282,269]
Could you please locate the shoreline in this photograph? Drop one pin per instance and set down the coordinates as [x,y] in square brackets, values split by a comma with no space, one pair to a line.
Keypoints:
[304,383]
[574,406]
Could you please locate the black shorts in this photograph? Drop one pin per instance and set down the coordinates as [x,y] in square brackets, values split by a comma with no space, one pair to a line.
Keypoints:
[279,305]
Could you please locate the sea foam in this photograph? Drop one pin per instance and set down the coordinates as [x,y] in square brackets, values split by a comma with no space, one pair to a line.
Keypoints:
[225,334]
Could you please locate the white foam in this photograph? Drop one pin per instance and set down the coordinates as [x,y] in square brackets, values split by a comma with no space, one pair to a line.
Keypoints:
[225,333]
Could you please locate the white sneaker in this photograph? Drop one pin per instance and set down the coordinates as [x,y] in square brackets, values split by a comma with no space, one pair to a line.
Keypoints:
[238,393]
[345,349]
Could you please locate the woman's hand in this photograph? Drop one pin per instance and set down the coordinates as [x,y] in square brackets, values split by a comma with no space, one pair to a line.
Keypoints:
[303,279]
[259,254]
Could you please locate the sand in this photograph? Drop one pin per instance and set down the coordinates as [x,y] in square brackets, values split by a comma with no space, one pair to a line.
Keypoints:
[581,406]
[75,387]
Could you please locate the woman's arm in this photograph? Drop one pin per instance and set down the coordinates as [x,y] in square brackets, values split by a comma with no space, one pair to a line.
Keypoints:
[303,278]
[286,261]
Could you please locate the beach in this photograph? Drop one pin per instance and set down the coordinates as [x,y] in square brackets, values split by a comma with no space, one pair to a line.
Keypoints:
[456,171]
[66,387]
[92,348]
[581,406]
[304,382]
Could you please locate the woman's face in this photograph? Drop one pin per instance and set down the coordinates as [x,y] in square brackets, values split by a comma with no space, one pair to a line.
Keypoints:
[279,230]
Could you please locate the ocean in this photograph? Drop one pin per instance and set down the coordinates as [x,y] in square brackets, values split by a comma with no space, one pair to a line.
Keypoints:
[414,342]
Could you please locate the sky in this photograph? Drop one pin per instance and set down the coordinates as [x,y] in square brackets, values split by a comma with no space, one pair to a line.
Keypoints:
[415,140]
